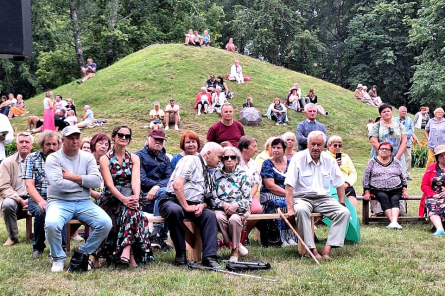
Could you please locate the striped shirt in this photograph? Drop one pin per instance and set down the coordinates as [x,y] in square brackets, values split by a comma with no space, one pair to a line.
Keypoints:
[34,168]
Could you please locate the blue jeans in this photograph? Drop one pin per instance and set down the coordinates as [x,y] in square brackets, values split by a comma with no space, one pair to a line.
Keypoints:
[153,208]
[5,110]
[39,227]
[59,212]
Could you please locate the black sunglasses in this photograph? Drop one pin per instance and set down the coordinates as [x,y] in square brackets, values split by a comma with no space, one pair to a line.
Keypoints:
[124,136]
[337,145]
[226,157]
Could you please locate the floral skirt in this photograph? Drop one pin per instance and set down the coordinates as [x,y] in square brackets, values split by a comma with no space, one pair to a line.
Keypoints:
[435,206]
[270,203]
[133,230]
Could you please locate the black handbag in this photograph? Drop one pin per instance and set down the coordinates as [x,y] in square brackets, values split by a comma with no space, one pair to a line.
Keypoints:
[270,235]
[247,266]
[79,262]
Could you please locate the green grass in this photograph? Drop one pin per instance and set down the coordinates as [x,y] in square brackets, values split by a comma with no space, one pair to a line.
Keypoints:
[407,262]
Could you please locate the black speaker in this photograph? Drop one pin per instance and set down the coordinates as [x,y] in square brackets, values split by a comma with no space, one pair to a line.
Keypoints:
[15,29]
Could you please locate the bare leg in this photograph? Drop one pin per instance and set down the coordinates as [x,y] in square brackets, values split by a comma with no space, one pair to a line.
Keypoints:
[437,222]
[321,110]
[395,214]
[176,118]
[199,108]
[206,106]
[353,200]
[167,118]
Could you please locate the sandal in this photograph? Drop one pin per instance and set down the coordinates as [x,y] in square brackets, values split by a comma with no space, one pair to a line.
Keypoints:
[326,256]
[316,255]
[125,260]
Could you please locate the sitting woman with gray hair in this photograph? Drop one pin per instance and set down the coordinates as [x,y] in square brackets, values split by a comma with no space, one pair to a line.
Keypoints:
[335,143]
[232,200]
[218,99]
[277,112]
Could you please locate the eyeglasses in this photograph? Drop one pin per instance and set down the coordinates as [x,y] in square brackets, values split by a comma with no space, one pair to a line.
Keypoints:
[226,157]
[124,136]
[385,149]
[337,145]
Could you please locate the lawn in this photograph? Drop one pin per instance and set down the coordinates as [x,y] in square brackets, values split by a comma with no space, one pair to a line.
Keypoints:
[384,262]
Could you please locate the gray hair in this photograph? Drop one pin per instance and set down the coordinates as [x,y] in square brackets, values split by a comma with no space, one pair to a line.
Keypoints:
[268,143]
[314,134]
[87,106]
[212,147]
[437,110]
[334,139]
[25,134]
[89,60]
[48,135]
[203,88]
[226,104]
[288,135]
[234,150]
[310,105]
[402,107]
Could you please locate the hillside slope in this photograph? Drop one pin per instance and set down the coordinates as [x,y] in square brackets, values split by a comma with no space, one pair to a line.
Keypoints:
[125,92]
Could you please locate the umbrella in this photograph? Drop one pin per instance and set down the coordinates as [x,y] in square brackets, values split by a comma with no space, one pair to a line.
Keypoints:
[353,227]
[250,116]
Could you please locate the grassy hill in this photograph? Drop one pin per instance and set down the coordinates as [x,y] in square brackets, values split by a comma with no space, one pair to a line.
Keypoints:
[384,263]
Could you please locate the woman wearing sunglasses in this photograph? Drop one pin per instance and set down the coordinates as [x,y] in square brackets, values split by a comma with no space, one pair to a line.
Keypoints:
[386,130]
[232,200]
[384,178]
[128,241]
[335,143]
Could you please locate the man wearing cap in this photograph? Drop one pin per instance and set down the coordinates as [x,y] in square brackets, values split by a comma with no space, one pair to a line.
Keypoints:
[172,114]
[155,172]
[408,124]
[226,129]
[211,84]
[13,195]
[358,93]
[71,174]
[185,198]
[37,186]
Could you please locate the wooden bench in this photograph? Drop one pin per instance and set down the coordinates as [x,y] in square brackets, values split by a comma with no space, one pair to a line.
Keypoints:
[68,232]
[193,237]
[367,218]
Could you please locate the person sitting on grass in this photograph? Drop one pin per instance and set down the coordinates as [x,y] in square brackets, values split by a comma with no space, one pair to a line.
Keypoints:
[224,89]
[218,99]
[248,103]
[230,46]
[20,108]
[71,119]
[358,95]
[277,112]
[156,116]
[189,38]
[172,114]
[88,71]
[87,119]
[211,84]
[197,39]
[203,98]
[314,100]
[310,174]
[366,98]
[206,38]
[292,101]
[236,72]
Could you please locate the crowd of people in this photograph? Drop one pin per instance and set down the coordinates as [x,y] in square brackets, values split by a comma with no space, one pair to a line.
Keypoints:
[370,98]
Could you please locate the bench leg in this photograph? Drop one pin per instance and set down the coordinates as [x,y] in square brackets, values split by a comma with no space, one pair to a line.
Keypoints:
[29,227]
[193,241]
[365,212]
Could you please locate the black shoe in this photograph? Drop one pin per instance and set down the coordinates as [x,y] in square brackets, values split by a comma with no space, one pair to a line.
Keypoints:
[210,262]
[36,254]
[79,262]
[164,246]
[79,81]
[181,259]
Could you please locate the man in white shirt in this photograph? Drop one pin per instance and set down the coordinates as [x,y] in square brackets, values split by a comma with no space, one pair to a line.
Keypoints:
[172,114]
[6,135]
[308,177]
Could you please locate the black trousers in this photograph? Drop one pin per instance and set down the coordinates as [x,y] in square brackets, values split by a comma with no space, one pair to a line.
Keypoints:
[175,215]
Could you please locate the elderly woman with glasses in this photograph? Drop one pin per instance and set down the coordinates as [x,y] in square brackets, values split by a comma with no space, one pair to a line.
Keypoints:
[384,178]
[335,143]
[232,199]
[128,241]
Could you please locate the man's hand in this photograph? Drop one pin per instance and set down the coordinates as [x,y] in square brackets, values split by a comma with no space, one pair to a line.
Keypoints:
[152,193]
[42,205]
[2,138]
[230,209]
[290,213]
[198,210]
[24,204]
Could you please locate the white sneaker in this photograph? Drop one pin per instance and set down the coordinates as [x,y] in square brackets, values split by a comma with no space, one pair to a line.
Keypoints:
[199,113]
[57,267]
[166,128]
[285,244]
[291,242]
[176,127]
[390,226]
[242,250]
[77,238]
[397,226]
[233,259]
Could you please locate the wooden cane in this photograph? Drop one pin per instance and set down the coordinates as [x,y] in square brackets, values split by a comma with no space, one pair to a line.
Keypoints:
[298,236]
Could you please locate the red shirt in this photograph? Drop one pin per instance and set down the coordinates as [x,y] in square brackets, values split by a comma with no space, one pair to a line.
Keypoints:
[427,181]
[219,133]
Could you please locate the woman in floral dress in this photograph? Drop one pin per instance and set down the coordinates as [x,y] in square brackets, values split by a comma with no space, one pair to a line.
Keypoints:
[128,241]
[232,200]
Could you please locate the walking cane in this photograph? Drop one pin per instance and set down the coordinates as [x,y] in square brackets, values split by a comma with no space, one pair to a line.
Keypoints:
[192,265]
[298,236]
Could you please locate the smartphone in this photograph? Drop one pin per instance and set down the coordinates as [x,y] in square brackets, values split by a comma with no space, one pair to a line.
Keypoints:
[338,155]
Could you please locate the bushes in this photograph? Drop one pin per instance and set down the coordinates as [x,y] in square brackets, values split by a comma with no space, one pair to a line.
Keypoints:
[419,155]
[11,148]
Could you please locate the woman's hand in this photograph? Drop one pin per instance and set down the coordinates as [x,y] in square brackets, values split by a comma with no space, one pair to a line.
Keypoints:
[367,195]
[230,209]
[439,195]
[405,195]
[338,161]
[130,202]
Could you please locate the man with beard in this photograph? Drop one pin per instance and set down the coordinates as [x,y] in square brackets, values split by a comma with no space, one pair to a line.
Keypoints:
[13,195]
[37,185]
[308,177]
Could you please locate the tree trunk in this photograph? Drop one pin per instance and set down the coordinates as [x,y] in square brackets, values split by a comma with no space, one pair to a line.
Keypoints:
[76,35]
[114,5]
[340,40]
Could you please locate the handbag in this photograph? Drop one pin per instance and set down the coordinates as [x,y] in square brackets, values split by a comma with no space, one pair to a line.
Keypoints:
[247,266]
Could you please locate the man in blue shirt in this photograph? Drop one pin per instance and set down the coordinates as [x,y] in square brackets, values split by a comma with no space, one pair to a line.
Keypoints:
[309,125]
[88,71]
[409,130]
